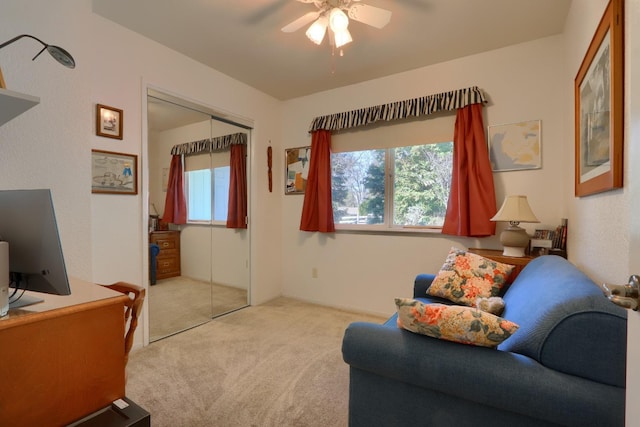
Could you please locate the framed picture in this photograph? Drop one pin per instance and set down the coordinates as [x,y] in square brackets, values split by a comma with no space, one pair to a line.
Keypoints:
[515,146]
[114,173]
[599,108]
[296,163]
[108,121]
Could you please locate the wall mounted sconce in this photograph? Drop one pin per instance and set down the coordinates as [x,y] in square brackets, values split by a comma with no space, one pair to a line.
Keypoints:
[58,53]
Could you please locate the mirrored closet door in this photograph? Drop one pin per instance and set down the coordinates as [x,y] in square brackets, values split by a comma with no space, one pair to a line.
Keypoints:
[198,270]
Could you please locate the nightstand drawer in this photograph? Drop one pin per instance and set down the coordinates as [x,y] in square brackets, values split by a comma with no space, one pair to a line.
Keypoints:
[167,264]
[166,244]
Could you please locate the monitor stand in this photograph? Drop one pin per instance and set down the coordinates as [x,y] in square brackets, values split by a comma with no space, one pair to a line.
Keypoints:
[24,301]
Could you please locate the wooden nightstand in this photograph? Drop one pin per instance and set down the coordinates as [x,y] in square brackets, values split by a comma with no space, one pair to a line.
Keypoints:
[168,260]
[496,255]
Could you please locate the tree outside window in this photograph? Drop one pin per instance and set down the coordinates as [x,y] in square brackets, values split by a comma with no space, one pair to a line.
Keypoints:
[409,184]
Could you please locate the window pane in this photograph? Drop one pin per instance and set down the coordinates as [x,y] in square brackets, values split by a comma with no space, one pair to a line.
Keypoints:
[221,192]
[357,187]
[422,181]
[199,195]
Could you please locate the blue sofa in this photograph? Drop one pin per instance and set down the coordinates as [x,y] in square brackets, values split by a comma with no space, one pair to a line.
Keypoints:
[564,366]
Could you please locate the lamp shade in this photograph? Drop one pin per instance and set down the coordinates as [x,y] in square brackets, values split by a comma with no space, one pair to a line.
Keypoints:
[58,53]
[317,30]
[338,20]
[515,209]
[342,37]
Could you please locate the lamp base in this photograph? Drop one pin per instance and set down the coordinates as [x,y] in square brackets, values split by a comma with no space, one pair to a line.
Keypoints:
[513,252]
[515,240]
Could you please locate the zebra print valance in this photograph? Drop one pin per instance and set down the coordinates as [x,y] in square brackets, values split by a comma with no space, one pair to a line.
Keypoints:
[400,109]
[210,145]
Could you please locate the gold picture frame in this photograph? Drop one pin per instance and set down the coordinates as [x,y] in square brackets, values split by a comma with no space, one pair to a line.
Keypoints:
[114,173]
[599,108]
[109,121]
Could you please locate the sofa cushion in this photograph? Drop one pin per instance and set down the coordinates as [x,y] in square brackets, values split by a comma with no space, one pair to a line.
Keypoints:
[466,276]
[566,323]
[456,323]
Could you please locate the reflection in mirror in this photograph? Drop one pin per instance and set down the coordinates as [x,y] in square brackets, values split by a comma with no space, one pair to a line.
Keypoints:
[198,270]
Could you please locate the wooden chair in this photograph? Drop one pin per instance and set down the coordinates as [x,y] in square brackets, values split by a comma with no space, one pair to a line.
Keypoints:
[132,310]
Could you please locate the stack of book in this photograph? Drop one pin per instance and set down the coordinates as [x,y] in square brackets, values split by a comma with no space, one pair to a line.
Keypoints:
[560,238]
[550,241]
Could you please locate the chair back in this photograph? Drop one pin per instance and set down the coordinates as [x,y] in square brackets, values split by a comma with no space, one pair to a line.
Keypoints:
[133,306]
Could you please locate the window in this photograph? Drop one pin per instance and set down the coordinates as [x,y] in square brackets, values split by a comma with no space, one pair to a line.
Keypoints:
[392,188]
[221,193]
[199,195]
[207,188]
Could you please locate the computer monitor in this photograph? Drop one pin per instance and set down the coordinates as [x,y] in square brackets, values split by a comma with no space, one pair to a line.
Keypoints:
[36,262]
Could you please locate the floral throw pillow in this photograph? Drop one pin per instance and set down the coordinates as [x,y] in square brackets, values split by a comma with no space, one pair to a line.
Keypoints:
[467,325]
[466,276]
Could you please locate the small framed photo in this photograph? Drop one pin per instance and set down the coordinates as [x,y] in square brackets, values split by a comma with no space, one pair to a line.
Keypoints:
[515,146]
[108,121]
[114,173]
[296,161]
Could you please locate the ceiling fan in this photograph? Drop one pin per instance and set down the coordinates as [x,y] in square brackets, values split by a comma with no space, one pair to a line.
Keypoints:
[331,14]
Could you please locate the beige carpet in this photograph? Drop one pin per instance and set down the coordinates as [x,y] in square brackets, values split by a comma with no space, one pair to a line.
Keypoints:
[180,303]
[277,364]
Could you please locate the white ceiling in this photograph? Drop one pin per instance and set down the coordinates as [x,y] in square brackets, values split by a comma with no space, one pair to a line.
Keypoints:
[242,38]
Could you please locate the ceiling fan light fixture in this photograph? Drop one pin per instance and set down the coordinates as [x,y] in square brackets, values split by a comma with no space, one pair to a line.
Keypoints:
[317,30]
[338,20]
[342,37]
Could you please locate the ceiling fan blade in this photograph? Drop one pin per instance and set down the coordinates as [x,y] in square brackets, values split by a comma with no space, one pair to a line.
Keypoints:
[301,22]
[370,15]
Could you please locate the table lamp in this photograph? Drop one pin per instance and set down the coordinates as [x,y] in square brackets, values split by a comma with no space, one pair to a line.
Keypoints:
[515,239]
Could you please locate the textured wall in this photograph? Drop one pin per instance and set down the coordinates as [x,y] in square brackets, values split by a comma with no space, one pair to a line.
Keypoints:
[48,146]
[366,272]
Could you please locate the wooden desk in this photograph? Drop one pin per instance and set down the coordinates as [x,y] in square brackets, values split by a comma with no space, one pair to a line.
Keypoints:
[63,358]
[496,255]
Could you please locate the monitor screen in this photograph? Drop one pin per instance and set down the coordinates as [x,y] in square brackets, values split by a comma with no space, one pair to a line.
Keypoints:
[28,224]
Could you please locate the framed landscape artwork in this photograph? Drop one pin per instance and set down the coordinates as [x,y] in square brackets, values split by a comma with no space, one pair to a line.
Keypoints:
[515,146]
[599,107]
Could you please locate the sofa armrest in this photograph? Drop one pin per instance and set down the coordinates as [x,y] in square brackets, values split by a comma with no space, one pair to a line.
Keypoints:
[421,284]
[491,377]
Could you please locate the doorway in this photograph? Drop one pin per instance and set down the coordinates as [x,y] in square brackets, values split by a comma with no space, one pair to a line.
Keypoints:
[198,270]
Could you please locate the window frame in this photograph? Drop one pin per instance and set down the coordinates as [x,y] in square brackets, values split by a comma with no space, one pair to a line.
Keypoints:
[212,191]
[388,226]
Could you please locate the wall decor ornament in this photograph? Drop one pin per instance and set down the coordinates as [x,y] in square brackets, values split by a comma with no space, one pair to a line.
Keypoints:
[269,166]
[296,161]
[599,105]
[114,173]
[109,121]
[515,146]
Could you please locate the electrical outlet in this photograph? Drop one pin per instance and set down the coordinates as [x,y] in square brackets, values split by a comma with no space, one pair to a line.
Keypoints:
[314,273]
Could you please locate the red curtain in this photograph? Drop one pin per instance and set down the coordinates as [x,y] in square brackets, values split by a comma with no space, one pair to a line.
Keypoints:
[472,201]
[237,213]
[317,211]
[175,205]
